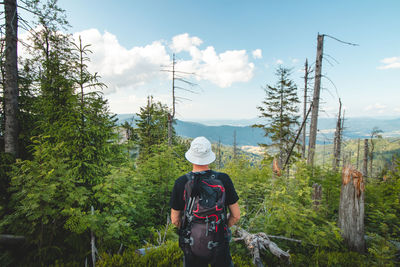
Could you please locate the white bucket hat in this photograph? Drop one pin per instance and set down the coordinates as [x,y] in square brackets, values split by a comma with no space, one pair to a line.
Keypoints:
[200,152]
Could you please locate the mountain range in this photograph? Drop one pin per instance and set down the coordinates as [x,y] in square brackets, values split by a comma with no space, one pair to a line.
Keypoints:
[223,130]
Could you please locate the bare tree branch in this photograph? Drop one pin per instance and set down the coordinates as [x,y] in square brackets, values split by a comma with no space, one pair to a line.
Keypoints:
[184,89]
[334,38]
[334,59]
[326,77]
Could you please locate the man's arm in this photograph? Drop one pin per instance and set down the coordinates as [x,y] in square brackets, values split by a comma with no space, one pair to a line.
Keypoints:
[234,214]
[176,217]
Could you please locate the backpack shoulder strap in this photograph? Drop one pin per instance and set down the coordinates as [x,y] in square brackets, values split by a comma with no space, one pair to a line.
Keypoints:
[189,201]
[189,178]
[214,174]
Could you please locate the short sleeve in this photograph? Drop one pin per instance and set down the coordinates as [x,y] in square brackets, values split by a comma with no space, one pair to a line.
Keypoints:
[231,195]
[176,201]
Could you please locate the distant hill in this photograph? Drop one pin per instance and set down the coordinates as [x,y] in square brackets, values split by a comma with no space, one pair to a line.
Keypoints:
[247,136]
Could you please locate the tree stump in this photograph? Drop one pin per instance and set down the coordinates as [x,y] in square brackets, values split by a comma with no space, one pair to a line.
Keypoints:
[351,209]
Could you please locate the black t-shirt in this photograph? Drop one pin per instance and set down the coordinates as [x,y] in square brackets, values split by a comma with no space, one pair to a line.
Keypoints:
[178,203]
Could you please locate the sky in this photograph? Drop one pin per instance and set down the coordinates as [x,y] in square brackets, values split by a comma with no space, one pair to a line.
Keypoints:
[234,48]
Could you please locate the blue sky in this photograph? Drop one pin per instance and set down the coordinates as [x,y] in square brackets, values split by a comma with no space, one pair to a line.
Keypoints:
[234,48]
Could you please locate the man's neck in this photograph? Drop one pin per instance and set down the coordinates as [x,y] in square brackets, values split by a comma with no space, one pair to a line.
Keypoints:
[200,168]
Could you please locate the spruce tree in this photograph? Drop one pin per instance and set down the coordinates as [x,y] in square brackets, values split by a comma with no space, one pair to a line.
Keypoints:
[152,127]
[280,109]
[73,153]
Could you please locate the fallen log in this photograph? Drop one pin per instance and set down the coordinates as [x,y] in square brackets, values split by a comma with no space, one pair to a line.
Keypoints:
[256,243]
[11,239]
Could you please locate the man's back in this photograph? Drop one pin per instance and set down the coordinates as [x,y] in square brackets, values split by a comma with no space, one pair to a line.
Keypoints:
[188,191]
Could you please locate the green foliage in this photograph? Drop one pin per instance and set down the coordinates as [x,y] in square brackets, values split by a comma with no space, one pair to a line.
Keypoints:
[157,175]
[382,252]
[121,217]
[71,161]
[382,223]
[168,254]
[329,258]
[283,206]
[331,185]
[152,127]
[46,200]
[289,212]
[72,154]
[252,183]
[6,163]
[382,206]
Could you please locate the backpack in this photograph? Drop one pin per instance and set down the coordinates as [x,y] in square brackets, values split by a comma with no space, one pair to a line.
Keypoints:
[204,220]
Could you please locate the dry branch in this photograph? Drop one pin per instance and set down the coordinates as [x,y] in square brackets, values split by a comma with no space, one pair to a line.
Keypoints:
[256,243]
[11,239]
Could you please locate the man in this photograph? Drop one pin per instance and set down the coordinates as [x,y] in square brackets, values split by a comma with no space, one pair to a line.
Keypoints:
[201,155]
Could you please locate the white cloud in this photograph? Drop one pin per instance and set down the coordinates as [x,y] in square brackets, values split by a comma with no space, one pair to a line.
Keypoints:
[184,42]
[257,54]
[122,68]
[378,107]
[390,63]
[396,110]
[279,62]
[294,60]
[222,69]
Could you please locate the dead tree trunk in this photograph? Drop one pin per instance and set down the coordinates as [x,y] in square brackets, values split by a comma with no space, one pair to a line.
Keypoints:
[219,154]
[358,153]
[365,161]
[336,142]
[172,116]
[349,157]
[234,145]
[316,96]
[340,140]
[371,157]
[11,239]
[92,242]
[11,79]
[316,195]
[351,209]
[303,147]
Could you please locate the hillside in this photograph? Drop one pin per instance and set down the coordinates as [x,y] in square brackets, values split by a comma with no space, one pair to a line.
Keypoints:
[385,149]
[248,136]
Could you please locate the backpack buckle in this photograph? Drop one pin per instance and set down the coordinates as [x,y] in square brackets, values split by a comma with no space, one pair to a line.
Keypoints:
[188,241]
[212,245]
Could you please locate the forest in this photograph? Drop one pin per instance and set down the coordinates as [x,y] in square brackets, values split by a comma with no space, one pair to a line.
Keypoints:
[77,189]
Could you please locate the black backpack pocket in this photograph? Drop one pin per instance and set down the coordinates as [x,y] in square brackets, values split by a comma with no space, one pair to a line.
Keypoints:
[202,241]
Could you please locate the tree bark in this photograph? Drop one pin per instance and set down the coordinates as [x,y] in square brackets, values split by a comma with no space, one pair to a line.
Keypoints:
[234,145]
[303,147]
[365,161]
[11,239]
[316,96]
[316,195]
[11,79]
[351,209]
[92,242]
[172,116]
[337,140]
[358,153]
[371,157]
